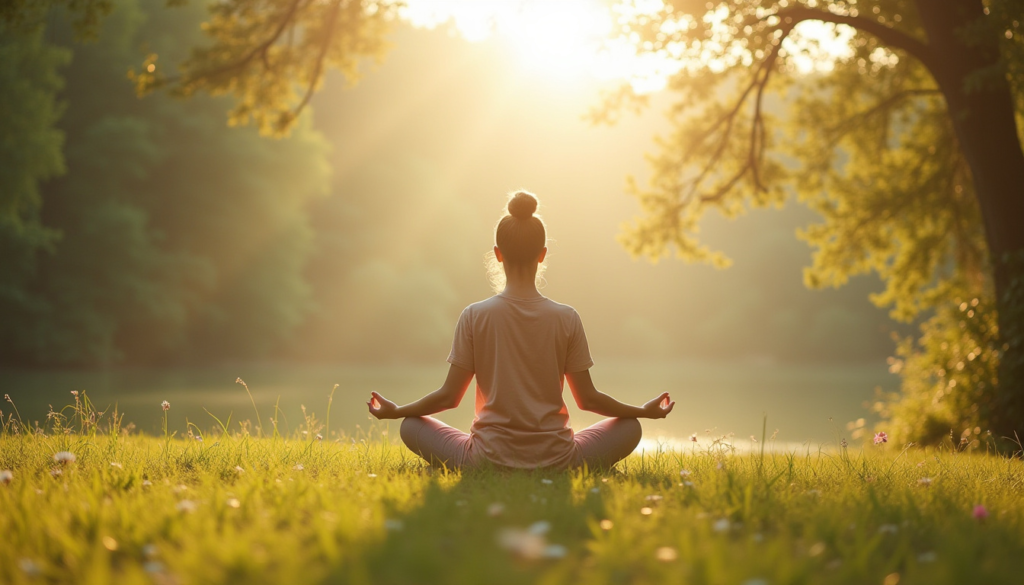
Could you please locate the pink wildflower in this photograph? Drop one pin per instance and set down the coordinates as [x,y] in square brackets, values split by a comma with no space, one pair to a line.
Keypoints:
[980,512]
[881,437]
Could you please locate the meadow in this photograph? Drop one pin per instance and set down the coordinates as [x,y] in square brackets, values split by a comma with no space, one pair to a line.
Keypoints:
[83,499]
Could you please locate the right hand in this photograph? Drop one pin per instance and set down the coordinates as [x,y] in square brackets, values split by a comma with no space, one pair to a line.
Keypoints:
[659,407]
[381,407]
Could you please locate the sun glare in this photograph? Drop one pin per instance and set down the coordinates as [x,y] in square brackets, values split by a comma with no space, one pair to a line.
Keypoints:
[570,38]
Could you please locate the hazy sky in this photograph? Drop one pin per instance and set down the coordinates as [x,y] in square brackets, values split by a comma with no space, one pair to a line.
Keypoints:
[429,142]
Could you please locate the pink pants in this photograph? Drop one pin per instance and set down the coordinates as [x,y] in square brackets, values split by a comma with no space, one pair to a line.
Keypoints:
[598,446]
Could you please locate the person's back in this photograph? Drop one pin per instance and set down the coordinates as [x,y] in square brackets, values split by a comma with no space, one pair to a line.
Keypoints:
[521,347]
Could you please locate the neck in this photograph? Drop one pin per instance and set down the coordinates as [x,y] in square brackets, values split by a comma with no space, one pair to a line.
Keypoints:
[521,282]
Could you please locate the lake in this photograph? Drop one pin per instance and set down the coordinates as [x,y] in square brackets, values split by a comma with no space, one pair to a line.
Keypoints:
[716,396]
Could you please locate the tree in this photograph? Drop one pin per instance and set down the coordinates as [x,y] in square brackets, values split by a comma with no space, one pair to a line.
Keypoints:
[182,239]
[272,55]
[909,149]
[30,151]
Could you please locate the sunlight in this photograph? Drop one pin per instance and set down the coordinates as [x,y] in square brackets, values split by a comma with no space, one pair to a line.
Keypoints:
[562,39]
[572,38]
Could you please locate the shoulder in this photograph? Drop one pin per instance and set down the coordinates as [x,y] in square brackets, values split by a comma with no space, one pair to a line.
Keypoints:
[480,307]
[566,312]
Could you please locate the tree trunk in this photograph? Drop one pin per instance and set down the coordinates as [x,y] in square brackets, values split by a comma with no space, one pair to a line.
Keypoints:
[981,107]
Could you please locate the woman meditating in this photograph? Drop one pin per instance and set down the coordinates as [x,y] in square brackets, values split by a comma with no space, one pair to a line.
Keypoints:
[520,346]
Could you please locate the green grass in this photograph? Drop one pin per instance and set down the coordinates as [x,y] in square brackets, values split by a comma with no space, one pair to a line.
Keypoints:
[361,509]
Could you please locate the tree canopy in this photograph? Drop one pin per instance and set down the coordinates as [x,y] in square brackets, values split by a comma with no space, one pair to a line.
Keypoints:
[884,143]
[152,229]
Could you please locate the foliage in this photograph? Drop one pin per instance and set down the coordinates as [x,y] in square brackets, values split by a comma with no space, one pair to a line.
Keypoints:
[272,55]
[226,506]
[29,15]
[170,221]
[30,151]
[948,376]
[867,143]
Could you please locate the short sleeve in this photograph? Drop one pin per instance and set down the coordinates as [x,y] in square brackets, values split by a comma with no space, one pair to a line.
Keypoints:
[462,344]
[577,357]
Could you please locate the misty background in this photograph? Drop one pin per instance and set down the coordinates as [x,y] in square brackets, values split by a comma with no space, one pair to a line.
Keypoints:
[193,253]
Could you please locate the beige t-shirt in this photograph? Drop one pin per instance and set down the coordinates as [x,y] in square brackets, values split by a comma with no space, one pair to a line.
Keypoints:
[520,350]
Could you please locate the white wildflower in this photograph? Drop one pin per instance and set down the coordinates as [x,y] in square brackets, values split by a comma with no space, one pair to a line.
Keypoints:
[888,529]
[28,567]
[540,527]
[6,476]
[165,405]
[546,481]
[64,457]
[522,543]
[495,509]
[666,554]
[721,525]
[554,551]
[684,473]
[298,467]
[234,503]
[186,506]
[116,464]
[607,524]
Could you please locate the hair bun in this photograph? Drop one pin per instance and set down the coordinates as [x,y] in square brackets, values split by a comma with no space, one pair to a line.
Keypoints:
[522,205]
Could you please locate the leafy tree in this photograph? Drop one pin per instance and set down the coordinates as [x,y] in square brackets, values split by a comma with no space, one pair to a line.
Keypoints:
[30,15]
[272,55]
[182,238]
[30,151]
[907,147]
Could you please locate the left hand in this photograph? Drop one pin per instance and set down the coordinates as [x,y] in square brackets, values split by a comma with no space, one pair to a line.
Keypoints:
[381,407]
[659,407]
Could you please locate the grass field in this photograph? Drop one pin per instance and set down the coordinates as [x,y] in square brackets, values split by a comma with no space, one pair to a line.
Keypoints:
[237,508]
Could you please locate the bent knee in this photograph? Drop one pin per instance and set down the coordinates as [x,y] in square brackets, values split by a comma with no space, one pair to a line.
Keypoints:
[631,430]
[410,430]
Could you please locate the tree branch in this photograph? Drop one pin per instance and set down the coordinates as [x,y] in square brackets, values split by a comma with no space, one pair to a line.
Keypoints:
[890,36]
[259,50]
[840,129]
[318,68]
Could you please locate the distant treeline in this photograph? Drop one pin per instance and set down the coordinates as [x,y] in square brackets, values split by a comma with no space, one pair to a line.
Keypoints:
[160,235]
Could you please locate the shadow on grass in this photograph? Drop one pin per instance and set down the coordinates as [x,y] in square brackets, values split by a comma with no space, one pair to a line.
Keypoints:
[485,526]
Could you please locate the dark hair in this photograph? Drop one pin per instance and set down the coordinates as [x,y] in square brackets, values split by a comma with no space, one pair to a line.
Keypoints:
[520,235]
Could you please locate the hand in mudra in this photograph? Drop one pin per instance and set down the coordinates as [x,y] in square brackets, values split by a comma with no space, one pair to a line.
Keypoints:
[659,407]
[381,407]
